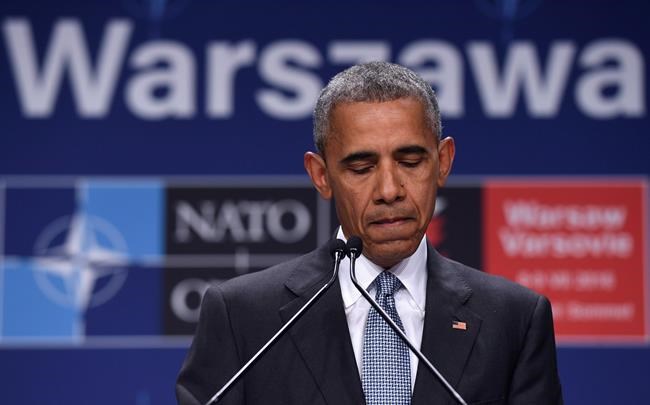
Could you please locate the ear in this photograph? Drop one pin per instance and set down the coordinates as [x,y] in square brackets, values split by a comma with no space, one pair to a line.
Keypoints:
[317,170]
[446,152]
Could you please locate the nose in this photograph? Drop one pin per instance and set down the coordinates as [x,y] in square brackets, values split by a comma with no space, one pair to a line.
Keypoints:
[389,187]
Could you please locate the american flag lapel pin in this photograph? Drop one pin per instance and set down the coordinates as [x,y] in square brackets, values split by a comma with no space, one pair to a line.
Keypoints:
[459,325]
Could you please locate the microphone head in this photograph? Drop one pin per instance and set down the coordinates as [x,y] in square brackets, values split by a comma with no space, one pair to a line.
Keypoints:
[354,246]
[336,245]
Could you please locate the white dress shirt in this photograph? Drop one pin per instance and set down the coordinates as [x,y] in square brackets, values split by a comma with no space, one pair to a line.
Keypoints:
[409,300]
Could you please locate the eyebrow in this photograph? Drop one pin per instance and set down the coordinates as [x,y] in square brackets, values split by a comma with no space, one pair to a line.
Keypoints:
[356,156]
[368,155]
[412,149]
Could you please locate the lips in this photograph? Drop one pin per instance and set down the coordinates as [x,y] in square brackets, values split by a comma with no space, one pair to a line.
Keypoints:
[395,216]
[390,220]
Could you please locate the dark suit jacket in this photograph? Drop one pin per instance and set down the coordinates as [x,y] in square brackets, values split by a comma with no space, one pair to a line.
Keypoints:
[505,356]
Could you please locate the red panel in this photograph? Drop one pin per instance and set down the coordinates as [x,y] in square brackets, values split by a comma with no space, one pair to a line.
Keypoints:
[582,244]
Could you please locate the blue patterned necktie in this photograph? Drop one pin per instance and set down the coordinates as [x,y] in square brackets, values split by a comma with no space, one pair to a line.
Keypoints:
[386,371]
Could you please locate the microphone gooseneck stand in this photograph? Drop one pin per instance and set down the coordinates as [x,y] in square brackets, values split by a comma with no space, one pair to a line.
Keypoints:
[337,249]
[354,247]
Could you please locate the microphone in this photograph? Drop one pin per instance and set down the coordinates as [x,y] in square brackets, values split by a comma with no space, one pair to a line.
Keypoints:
[354,248]
[337,250]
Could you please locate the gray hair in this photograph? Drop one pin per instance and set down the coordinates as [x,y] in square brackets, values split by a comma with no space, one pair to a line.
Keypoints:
[373,82]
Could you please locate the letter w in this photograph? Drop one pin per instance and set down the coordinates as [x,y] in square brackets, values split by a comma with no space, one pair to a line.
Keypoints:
[521,72]
[38,87]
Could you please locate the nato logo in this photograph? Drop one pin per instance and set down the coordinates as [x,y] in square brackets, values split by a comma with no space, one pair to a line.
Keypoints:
[69,272]
[80,261]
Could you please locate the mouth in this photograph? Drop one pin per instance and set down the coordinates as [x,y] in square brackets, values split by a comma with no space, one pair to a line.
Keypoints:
[389,221]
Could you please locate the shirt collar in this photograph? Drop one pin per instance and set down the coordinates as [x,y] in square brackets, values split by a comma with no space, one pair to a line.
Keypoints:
[411,272]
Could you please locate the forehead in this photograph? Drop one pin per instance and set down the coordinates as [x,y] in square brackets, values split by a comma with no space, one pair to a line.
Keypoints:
[372,125]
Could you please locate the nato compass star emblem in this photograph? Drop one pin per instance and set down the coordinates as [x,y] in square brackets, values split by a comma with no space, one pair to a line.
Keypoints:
[81,260]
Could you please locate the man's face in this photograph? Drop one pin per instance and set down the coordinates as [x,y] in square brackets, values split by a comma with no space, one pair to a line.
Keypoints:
[383,167]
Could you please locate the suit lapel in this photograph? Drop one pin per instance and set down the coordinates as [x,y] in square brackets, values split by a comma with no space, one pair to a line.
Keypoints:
[321,336]
[447,348]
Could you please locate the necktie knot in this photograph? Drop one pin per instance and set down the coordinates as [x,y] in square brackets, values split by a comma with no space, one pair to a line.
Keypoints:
[387,283]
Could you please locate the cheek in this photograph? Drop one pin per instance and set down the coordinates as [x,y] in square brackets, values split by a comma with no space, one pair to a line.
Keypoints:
[353,209]
[425,200]
[354,205]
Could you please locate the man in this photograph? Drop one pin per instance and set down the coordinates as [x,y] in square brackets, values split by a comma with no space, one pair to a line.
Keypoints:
[381,158]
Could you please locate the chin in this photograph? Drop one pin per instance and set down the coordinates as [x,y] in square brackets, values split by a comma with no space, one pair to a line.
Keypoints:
[388,254]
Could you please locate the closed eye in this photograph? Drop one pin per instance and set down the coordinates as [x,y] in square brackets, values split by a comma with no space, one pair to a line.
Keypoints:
[360,169]
[410,163]
[411,156]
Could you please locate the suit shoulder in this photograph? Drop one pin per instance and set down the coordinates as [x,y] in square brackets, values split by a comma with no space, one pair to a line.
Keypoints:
[495,289]
[264,283]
